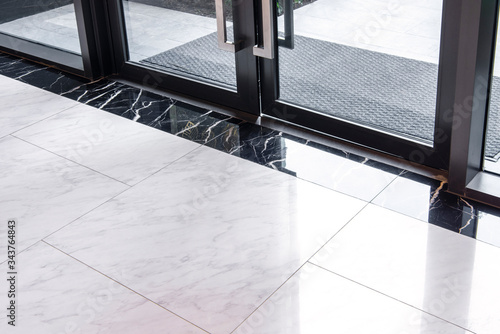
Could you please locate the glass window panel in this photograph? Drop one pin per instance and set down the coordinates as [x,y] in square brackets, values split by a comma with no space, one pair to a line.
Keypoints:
[51,23]
[371,62]
[180,37]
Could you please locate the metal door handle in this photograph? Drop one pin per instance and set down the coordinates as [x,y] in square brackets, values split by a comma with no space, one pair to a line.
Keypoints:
[267,49]
[221,28]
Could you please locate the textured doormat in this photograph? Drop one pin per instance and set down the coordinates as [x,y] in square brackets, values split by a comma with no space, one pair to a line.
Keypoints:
[371,88]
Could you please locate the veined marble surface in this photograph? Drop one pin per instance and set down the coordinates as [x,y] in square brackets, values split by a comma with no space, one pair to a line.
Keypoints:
[210,237]
[45,192]
[216,241]
[448,275]
[23,105]
[387,186]
[57,294]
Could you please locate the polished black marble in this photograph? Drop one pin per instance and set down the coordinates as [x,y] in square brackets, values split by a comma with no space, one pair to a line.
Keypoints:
[16,68]
[382,184]
[40,76]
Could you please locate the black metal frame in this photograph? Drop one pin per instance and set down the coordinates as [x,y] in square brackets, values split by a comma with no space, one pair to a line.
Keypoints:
[95,37]
[475,68]
[288,40]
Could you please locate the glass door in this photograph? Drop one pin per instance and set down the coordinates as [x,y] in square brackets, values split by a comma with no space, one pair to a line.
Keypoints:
[201,48]
[365,71]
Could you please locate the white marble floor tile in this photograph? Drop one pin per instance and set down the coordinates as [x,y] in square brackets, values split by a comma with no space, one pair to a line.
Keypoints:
[443,273]
[57,294]
[317,301]
[44,192]
[23,105]
[124,150]
[408,197]
[210,237]
[335,172]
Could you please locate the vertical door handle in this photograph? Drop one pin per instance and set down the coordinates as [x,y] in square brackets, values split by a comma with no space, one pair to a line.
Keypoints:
[267,49]
[221,28]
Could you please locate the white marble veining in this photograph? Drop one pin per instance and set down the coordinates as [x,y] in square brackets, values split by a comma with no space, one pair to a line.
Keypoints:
[210,237]
[59,295]
[44,192]
[317,301]
[443,273]
[23,105]
[124,150]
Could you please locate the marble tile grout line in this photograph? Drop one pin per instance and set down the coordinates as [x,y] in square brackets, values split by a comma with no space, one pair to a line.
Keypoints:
[166,166]
[72,161]
[386,186]
[126,287]
[129,188]
[388,296]
[38,121]
[301,266]
[74,220]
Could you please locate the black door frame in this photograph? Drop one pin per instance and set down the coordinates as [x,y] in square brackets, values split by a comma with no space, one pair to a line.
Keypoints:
[477,56]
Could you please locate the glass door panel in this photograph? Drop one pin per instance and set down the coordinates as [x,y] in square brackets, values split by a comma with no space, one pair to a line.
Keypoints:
[180,37]
[492,145]
[51,23]
[373,63]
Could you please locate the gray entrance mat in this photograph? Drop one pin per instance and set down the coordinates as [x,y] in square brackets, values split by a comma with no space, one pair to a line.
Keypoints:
[376,89]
